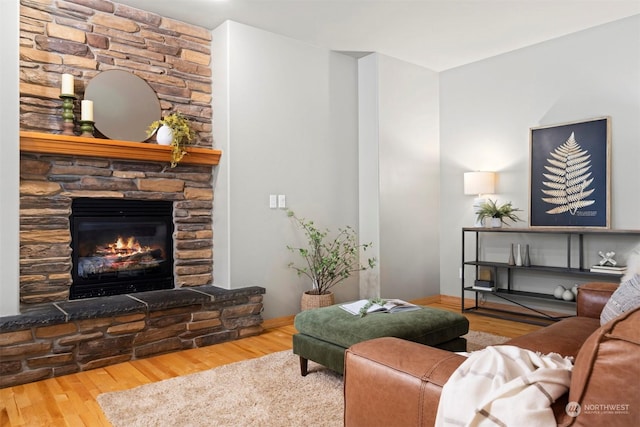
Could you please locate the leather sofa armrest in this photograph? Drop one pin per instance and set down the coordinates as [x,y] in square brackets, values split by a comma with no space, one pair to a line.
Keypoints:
[388,381]
[592,297]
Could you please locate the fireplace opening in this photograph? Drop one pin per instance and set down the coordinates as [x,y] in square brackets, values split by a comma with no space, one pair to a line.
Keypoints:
[120,246]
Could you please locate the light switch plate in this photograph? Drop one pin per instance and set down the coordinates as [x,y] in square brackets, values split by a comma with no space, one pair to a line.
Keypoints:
[282,201]
[273,201]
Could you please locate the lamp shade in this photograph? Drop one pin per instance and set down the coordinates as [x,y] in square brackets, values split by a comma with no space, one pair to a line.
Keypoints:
[479,182]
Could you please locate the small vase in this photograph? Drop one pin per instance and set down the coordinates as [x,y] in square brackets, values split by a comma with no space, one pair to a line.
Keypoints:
[164,135]
[512,259]
[496,223]
[518,256]
[527,260]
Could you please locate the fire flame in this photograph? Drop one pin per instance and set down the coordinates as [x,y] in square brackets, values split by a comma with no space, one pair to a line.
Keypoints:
[127,245]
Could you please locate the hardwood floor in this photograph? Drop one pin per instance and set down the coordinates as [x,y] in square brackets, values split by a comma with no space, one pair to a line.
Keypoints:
[71,400]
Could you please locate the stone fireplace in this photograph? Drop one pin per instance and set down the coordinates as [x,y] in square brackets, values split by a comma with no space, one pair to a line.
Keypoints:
[56,334]
[51,184]
[84,38]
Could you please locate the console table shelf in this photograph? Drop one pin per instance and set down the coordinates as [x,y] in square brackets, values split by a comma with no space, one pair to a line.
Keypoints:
[549,269]
[506,292]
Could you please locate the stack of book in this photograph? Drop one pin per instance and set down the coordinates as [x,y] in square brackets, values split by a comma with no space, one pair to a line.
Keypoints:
[609,269]
[484,285]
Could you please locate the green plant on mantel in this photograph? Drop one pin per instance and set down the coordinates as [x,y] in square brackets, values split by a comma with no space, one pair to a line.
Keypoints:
[328,261]
[490,209]
[182,134]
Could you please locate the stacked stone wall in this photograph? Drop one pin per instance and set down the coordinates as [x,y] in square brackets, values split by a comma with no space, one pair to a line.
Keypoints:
[86,37]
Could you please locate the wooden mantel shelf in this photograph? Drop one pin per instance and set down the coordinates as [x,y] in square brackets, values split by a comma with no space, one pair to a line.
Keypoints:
[36,142]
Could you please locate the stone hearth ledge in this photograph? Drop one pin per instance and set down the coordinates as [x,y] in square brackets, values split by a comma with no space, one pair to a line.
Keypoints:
[117,305]
[58,338]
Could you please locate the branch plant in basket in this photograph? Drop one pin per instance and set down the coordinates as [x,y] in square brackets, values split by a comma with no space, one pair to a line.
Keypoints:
[327,261]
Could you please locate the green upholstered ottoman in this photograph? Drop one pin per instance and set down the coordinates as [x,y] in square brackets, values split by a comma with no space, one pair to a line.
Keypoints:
[325,333]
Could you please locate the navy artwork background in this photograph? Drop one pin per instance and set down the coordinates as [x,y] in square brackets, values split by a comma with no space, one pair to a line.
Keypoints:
[590,136]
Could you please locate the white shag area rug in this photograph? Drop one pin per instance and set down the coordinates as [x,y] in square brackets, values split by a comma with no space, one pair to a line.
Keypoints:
[267,391]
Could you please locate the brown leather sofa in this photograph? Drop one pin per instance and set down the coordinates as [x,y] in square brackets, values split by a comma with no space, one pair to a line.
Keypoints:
[393,382]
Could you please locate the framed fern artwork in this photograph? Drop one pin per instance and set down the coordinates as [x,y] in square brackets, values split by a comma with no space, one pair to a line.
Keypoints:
[570,177]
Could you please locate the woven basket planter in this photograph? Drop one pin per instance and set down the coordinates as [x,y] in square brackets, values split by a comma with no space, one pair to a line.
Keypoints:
[310,301]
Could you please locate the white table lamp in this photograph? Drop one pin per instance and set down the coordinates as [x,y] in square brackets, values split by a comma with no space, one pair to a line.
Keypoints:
[479,183]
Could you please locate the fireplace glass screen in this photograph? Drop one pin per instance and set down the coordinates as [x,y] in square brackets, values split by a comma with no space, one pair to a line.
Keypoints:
[120,246]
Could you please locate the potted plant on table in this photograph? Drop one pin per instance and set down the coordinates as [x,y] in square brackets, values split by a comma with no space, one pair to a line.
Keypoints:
[173,130]
[327,261]
[497,214]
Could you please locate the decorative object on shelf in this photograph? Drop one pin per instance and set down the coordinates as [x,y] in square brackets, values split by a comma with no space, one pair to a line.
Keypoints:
[86,118]
[512,259]
[67,94]
[527,260]
[67,85]
[86,110]
[609,269]
[584,149]
[327,262]
[124,105]
[490,209]
[559,291]
[519,256]
[485,280]
[67,114]
[164,135]
[567,295]
[86,126]
[607,258]
[181,134]
[479,183]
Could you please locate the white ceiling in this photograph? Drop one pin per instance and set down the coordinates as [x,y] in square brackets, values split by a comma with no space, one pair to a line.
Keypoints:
[436,34]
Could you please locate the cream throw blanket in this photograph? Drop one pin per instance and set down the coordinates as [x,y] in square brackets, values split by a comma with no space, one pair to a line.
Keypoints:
[505,386]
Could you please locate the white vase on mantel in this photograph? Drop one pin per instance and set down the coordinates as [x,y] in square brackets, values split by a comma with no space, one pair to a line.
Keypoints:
[164,135]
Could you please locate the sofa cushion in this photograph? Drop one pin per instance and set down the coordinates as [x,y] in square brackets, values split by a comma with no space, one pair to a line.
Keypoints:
[564,337]
[625,298]
[605,373]
[592,297]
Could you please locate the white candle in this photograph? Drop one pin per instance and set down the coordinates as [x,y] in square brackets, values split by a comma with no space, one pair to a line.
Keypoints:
[87,110]
[67,85]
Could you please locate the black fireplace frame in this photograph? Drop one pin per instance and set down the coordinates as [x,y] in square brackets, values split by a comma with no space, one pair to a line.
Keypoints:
[116,210]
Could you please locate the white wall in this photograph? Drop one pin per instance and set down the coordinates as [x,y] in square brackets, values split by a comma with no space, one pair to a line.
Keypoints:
[399,178]
[487,108]
[290,127]
[10,160]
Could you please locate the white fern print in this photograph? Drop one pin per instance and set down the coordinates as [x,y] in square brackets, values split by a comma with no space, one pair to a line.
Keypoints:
[568,178]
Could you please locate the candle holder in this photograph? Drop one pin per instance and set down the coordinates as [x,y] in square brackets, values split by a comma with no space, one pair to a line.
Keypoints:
[86,126]
[67,114]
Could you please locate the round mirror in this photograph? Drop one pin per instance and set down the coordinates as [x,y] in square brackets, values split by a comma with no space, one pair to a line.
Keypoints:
[124,105]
